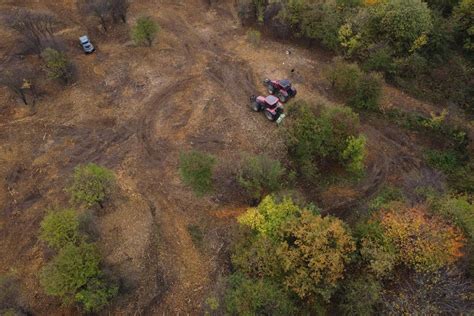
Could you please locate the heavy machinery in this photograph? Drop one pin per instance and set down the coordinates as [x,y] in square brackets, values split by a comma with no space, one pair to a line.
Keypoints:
[270,105]
[280,88]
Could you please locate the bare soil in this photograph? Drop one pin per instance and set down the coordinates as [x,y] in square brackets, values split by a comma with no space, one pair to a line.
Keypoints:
[133,109]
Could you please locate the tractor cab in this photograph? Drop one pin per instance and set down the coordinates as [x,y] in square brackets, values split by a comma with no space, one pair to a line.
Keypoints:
[284,84]
[272,101]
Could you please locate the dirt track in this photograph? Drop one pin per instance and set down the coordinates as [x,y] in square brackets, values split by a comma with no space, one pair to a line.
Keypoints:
[134,110]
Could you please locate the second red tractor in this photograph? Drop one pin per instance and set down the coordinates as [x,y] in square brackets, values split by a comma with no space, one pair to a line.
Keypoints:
[280,88]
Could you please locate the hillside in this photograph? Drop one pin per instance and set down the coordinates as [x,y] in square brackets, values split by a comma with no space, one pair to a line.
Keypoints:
[134,109]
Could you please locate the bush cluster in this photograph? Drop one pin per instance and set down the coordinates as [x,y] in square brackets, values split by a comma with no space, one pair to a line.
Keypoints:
[74,275]
[316,140]
[361,90]
[260,175]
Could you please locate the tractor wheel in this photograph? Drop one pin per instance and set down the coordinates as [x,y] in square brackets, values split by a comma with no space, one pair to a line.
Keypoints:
[270,116]
[271,89]
[255,106]
[282,98]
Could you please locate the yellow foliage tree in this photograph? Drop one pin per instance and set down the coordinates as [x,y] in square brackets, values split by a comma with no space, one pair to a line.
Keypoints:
[423,242]
[313,254]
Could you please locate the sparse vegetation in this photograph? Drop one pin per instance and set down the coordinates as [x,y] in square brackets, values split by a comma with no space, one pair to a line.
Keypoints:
[92,184]
[196,170]
[144,31]
[57,65]
[254,37]
[262,297]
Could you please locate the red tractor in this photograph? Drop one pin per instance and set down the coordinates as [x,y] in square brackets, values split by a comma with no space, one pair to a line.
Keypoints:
[280,88]
[270,105]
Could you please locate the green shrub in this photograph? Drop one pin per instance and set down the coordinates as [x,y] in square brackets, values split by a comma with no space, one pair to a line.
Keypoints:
[316,140]
[384,197]
[361,90]
[57,64]
[256,297]
[91,184]
[404,23]
[144,31]
[260,175]
[380,60]
[60,228]
[96,294]
[360,296]
[463,16]
[354,154]
[447,161]
[196,170]
[344,77]
[377,251]
[459,210]
[74,275]
[254,37]
[368,92]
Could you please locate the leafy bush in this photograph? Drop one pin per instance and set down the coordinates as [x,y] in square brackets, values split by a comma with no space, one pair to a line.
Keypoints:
[446,161]
[360,295]
[315,20]
[91,184]
[368,92]
[344,77]
[144,31]
[354,154]
[196,170]
[315,141]
[96,294]
[376,249]
[386,195]
[254,37]
[460,211]
[260,175]
[404,23]
[362,90]
[60,228]
[380,60]
[464,17]
[74,275]
[257,297]
[57,64]
[268,217]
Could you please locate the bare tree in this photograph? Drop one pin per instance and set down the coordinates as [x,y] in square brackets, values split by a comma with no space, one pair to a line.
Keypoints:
[445,292]
[119,9]
[101,9]
[20,82]
[37,28]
